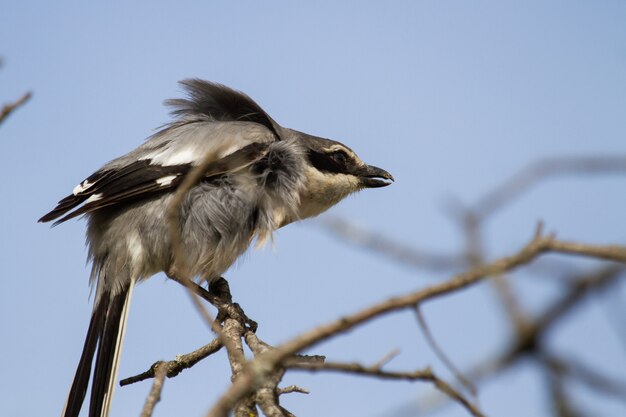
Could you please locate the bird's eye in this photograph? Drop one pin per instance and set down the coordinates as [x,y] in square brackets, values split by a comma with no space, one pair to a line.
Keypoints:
[339,156]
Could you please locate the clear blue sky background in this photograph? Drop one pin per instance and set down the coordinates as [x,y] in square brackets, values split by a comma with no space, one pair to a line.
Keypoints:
[449,96]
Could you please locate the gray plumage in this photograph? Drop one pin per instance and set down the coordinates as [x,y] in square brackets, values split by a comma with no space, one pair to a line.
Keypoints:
[263,177]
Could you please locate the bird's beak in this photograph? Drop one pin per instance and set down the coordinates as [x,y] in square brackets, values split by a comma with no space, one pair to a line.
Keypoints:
[374,177]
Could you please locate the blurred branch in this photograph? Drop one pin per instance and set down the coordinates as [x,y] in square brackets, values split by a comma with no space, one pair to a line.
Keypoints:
[562,404]
[376,371]
[541,170]
[616,316]
[472,218]
[442,355]
[389,248]
[475,254]
[155,392]
[581,287]
[588,376]
[7,109]
[529,343]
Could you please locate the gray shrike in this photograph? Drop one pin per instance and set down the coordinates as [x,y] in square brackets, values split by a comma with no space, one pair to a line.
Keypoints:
[264,176]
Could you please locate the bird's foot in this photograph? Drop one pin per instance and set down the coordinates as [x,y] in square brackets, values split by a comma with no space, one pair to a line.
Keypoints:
[225,306]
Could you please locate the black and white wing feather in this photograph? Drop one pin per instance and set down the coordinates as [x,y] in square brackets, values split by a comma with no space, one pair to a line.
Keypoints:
[106,187]
[142,180]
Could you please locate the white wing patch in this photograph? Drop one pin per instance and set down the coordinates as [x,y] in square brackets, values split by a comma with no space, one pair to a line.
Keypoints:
[190,143]
[94,197]
[82,187]
[168,157]
[165,181]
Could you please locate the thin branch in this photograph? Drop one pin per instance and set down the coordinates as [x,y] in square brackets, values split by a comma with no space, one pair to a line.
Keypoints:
[291,389]
[7,109]
[588,376]
[607,252]
[441,354]
[528,342]
[383,245]
[176,366]
[357,368]
[386,359]
[375,371]
[616,316]
[267,396]
[155,392]
[475,254]
[539,171]
[233,330]
[562,403]
[179,269]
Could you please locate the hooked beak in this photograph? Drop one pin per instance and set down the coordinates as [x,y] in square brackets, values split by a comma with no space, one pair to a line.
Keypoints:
[374,177]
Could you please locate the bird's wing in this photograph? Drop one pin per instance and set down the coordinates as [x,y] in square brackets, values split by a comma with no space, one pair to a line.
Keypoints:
[142,179]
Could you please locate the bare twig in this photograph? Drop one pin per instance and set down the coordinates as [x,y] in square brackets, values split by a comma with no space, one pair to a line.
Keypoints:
[441,354]
[155,392]
[180,270]
[176,366]
[386,359]
[527,343]
[292,388]
[616,316]
[562,404]
[588,376]
[233,330]
[375,371]
[471,225]
[7,109]
[267,396]
[390,248]
[539,171]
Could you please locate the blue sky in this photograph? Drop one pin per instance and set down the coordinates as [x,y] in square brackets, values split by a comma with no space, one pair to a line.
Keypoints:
[451,97]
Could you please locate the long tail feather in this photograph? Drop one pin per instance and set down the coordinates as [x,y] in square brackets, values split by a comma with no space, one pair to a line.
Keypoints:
[76,396]
[104,341]
[107,360]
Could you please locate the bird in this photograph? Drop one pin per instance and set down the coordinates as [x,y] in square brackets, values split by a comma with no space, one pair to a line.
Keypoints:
[260,177]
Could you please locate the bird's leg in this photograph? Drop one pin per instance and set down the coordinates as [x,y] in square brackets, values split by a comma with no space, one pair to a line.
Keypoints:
[196,289]
[225,306]
[219,296]
[220,289]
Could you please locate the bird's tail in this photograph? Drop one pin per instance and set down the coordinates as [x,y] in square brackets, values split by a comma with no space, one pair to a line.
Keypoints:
[104,342]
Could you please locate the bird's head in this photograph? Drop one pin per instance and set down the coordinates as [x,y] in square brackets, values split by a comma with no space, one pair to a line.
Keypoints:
[333,171]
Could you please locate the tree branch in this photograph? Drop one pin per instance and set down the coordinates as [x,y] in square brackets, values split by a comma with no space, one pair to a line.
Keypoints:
[539,245]
[176,366]
[376,371]
[155,392]
[7,109]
